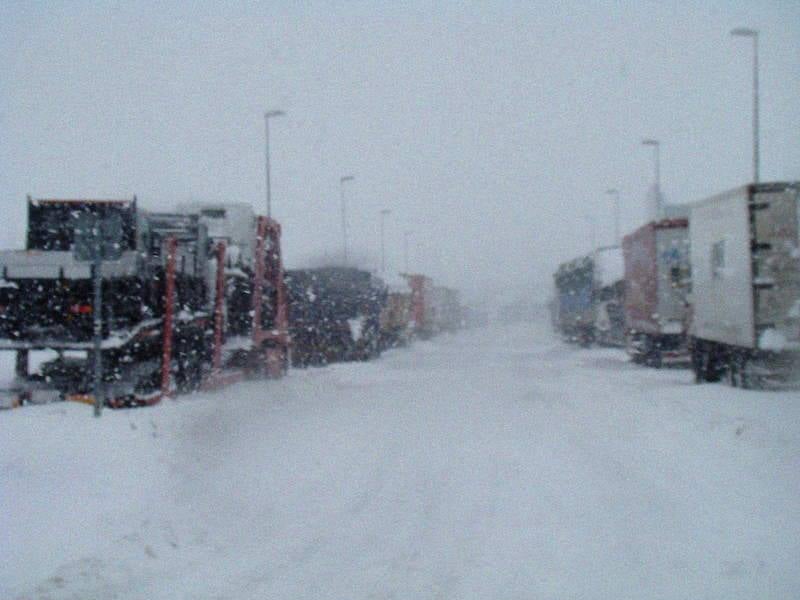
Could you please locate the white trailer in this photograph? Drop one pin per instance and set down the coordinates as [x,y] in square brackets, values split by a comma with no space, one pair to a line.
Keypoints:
[745,260]
[609,292]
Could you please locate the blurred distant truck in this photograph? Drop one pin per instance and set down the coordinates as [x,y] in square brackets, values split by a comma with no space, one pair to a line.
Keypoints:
[422,320]
[589,296]
[446,309]
[574,281]
[745,260]
[657,280]
[395,317]
[609,294]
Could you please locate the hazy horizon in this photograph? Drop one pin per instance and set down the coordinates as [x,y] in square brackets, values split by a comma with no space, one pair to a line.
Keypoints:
[490,130]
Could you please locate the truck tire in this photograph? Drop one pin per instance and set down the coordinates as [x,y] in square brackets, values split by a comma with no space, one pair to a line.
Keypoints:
[746,379]
[712,364]
[697,361]
[652,353]
[733,374]
[706,362]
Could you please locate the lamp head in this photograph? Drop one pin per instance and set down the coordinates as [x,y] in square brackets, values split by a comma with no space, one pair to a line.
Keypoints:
[744,32]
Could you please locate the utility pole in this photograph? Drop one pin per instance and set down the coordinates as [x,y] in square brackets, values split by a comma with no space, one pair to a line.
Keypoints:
[615,193]
[656,145]
[753,34]
[267,116]
[405,249]
[342,180]
[97,314]
[590,221]
[384,212]
[97,238]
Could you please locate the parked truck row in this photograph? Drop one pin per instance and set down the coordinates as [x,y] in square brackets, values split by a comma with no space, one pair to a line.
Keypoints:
[185,300]
[717,289]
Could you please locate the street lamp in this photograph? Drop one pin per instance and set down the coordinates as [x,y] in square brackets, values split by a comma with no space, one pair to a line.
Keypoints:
[752,33]
[384,212]
[267,116]
[656,153]
[615,192]
[590,222]
[406,234]
[342,180]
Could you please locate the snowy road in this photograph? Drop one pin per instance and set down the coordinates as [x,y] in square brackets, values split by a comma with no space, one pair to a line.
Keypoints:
[492,464]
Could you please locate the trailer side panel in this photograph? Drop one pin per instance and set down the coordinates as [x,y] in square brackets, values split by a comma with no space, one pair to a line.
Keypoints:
[719,232]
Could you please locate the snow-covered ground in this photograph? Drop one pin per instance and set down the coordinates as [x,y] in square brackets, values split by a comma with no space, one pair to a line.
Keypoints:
[496,463]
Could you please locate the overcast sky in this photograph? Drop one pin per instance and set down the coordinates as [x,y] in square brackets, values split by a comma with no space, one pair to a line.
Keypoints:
[491,129]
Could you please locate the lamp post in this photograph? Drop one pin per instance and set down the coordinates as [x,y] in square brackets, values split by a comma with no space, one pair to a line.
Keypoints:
[657,179]
[342,180]
[384,212]
[615,193]
[267,116]
[753,34]
[406,234]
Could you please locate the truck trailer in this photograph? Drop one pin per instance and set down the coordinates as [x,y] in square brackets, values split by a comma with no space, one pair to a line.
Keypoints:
[609,294]
[745,260]
[574,282]
[334,314]
[177,313]
[657,280]
[423,311]
[589,296]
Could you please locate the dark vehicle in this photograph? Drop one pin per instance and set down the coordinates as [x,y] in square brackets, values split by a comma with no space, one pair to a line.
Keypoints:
[447,309]
[574,283]
[589,298]
[334,314]
[164,317]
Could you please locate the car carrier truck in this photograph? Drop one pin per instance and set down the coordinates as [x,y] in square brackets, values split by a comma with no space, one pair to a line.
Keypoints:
[745,260]
[178,313]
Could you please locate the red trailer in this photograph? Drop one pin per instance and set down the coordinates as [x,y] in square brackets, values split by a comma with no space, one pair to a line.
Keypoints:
[421,305]
[657,279]
[266,350]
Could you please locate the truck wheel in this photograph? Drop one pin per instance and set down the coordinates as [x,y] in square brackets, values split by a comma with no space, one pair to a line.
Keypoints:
[632,347]
[695,361]
[732,373]
[653,357]
[699,362]
[652,353]
[712,364]
[746,379]
[655,360]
